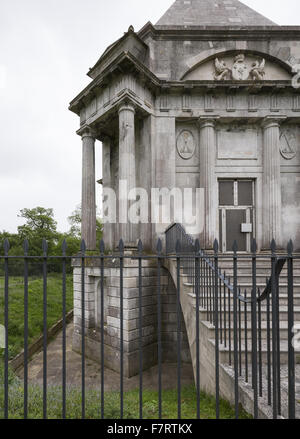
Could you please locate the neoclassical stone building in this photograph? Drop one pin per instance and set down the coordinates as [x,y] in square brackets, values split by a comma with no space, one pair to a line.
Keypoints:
[203,99]
[215,76]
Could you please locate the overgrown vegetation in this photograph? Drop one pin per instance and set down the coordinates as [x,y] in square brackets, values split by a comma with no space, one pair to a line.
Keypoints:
[35,307]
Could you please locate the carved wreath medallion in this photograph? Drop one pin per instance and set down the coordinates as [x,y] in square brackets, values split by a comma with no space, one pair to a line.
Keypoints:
[186,145]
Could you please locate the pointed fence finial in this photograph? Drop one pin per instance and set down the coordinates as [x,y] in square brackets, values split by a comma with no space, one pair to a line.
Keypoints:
[102,246]
[83,246]
[6,247]
[140,246]
[254,246]
[26,247]
[235,247]
[197,246]
[159,246]
[45,247]
[290,247]
[121,246]
[64,247]
[273,246]
[216,246]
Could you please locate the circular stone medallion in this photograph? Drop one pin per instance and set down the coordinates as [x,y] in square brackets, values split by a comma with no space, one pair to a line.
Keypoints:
[288,144]
[186,145]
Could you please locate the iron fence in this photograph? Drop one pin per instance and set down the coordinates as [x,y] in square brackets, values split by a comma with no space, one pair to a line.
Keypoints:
[239,318]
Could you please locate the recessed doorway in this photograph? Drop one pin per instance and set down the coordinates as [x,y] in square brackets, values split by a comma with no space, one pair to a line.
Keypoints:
[236,214]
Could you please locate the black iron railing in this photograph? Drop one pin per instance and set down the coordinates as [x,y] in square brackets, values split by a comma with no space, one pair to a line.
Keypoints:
[219,299]
[232,309]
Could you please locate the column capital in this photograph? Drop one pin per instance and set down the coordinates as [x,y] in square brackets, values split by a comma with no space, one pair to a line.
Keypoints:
[272,121]
[87,132]
[208,121]
[126,106]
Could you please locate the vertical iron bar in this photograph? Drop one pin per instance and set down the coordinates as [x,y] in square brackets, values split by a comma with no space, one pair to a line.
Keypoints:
[216,318]
[207,289]
[140,250]
[83,248]
[64,343]
[6,298]
[159,345]
[121,249]
[246,336]
[240,334]
[254,330]
[220,308]
[269,347]
[197,249]
[25,329]
[260,348]
[102,249]
[235,325]
[229,324]
[274,330]
[225,317]
[45,248]
[291,351]
[278,347]
[178,332]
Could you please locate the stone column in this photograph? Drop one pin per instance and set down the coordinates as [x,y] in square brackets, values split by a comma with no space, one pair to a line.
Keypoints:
[208,180]
[127,172]
[108,235]
[271,182]
[88,201]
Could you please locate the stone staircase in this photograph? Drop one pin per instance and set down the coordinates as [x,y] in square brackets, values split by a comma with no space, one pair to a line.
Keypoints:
[226,333]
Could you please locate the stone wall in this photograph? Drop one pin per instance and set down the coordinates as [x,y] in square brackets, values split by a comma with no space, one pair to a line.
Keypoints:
[130,315]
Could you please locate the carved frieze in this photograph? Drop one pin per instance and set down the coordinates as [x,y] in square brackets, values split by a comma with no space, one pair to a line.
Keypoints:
[240,70]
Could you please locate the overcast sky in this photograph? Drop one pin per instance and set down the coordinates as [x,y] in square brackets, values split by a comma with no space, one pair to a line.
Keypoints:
[46,48]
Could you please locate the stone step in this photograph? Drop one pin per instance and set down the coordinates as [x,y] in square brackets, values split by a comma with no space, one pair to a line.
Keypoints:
[283,313]
[222,327]
[283,299]
[224,352]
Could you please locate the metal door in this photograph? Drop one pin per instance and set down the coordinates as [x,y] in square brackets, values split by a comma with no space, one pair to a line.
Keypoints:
[236,214]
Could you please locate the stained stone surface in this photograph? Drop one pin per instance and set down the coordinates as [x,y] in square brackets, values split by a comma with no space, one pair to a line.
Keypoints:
[93,370]
[212,13]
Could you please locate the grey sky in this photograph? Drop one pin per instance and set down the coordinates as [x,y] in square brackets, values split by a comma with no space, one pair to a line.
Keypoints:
[46,48]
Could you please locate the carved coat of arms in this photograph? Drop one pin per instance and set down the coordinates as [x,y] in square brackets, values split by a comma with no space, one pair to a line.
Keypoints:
[240,70]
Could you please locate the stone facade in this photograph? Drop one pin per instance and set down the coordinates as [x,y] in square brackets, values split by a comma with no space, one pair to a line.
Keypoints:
[205,98]
[131,315]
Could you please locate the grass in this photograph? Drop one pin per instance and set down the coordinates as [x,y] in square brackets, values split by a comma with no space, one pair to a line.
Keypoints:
[93,397]
[112,404]
[35,307]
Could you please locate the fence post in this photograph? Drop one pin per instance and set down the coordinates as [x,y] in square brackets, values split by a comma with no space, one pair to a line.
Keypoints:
[274,329]
[235,328]
[254,330]
[291,352]
[216,306]
[6,250]
[45,341]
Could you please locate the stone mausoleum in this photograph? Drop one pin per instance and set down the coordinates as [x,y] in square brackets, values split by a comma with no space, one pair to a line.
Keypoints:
[206,98]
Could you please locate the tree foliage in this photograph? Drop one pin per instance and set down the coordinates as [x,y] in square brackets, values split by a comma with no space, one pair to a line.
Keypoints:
[39,224]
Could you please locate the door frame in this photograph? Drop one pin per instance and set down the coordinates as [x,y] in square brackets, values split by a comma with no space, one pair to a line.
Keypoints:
[236,206]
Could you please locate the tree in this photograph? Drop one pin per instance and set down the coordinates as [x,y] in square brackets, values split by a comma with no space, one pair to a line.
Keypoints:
[75,223]
[40,224]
